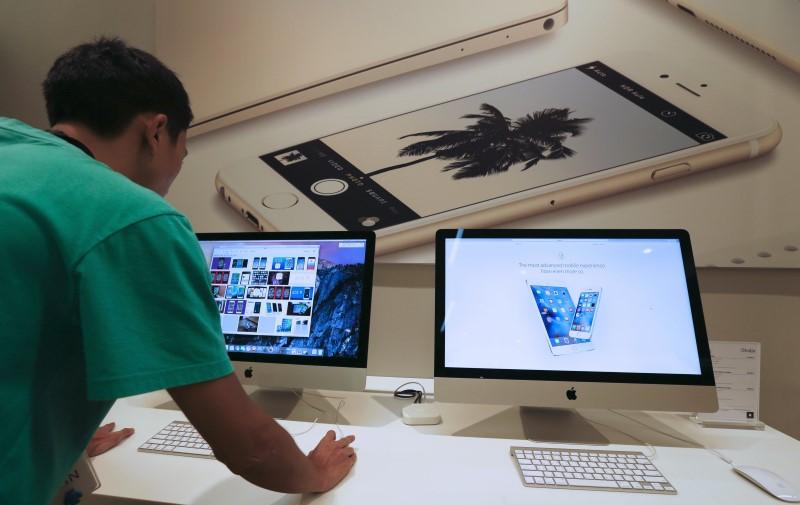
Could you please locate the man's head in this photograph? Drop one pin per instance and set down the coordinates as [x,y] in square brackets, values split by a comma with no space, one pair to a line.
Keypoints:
[117,92]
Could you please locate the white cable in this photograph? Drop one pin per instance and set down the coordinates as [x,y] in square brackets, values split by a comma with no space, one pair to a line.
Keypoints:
[424,393]
[341,404]
[693,443]
[307,430]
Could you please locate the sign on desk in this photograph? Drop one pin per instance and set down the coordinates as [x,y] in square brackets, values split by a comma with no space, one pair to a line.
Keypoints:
[737,371]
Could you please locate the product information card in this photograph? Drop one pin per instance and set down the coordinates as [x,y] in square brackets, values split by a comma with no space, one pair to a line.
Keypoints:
[737,370]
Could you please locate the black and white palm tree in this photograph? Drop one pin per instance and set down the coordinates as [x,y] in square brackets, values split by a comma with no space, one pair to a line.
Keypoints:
[494,143]
[542,135]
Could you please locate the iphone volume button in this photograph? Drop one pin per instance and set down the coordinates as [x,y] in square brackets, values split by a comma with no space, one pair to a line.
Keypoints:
[671,172]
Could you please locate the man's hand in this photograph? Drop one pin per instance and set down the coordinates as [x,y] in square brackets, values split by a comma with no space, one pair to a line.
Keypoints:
[105,438]
[333,459]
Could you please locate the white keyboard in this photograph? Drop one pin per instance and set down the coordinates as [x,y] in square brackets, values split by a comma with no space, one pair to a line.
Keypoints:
[589,469]
[180,438]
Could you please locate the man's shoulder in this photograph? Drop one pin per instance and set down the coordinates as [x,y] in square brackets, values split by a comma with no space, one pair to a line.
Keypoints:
[82,200]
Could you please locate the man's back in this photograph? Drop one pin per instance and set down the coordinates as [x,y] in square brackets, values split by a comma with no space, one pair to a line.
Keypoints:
[106,289]
[67,275]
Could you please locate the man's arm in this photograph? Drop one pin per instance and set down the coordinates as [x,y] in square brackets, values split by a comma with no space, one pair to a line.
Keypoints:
[251,444]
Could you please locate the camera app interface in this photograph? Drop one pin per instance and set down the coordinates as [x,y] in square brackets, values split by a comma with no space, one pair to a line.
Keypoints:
[528,135]
[298,298]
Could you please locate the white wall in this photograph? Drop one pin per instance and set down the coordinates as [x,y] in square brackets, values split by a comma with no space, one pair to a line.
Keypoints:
[33,33]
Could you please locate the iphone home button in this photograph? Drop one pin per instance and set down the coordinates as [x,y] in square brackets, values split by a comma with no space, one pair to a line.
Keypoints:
[328,187]
[279,201]
[669,172]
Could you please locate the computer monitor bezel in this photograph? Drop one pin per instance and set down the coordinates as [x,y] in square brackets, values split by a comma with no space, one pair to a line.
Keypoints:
[360,361]
[705,378]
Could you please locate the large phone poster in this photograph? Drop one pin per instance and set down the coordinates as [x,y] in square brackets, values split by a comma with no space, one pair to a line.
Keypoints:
[531,134]
[594,305]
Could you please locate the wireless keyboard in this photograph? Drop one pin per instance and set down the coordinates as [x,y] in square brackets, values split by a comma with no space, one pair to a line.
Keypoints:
[179,438]
[595,470]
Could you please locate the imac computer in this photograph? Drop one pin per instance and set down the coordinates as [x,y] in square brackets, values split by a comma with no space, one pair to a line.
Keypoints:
[564,319]
[294,307]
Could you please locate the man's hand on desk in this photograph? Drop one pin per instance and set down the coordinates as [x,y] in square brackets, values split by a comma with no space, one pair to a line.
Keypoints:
[333,458]
[252,444]
[105,438]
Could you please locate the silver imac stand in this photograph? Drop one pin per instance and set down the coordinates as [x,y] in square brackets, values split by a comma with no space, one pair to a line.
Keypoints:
[564,426]
[292,405]
[279,403]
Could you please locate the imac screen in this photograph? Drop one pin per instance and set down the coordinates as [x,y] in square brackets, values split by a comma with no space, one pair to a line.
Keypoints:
[569,305]
[292,297]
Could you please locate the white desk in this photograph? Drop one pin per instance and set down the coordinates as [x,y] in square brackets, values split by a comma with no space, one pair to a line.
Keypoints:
[423,465]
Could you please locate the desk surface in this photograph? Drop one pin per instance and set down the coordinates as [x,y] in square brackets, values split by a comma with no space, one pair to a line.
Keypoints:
[739,211]
[403,464]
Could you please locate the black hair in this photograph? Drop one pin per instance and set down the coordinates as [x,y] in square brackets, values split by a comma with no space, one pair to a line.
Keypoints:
[104,84]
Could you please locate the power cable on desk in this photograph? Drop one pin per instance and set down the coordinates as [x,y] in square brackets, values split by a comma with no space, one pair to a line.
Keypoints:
[690,442]
[321,411]
[417,394]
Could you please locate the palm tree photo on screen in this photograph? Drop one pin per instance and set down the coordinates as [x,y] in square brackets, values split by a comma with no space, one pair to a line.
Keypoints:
[494,143]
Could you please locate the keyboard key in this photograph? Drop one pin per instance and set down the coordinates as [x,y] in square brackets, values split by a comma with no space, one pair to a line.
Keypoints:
[192,450]
[592,483]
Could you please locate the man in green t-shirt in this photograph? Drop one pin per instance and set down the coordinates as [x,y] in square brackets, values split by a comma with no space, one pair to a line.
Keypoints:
[106,290]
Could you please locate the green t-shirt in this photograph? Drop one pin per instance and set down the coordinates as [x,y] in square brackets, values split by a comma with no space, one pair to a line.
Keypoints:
[105,295]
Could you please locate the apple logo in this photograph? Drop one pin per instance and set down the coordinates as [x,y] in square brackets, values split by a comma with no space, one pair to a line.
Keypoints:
[248,372]
[571,394]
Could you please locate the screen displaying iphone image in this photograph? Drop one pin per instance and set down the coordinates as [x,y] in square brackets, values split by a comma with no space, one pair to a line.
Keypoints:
[298,309]
[262,264]
[556,310]
[311,264]
[278,278]
[256,292]
[585,315]
[301,264]
[531,134]
[271,293]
